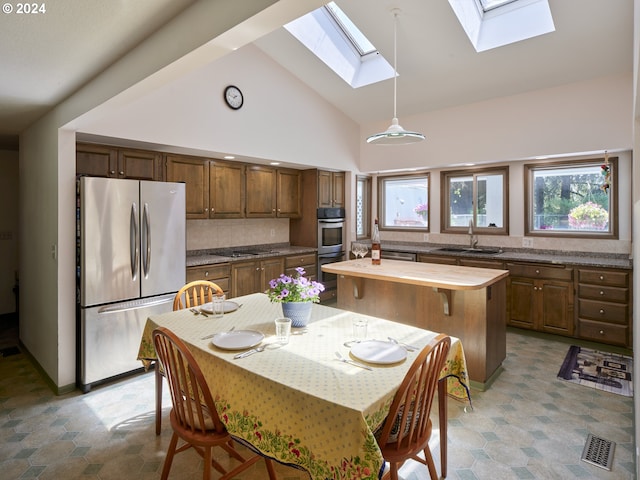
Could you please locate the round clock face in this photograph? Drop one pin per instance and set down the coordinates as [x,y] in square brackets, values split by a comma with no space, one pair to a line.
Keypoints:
[233,97]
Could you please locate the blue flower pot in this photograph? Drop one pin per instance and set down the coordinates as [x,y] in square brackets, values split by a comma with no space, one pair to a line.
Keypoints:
[298,312]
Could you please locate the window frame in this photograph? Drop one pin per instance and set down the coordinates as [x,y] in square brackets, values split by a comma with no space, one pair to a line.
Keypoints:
[381,202]
[366,207]
[445,216]
[611,234]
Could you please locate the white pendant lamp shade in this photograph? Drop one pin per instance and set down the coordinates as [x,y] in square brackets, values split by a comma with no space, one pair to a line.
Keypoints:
[395,134]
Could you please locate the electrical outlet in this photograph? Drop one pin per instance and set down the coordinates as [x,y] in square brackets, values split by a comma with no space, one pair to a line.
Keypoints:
[273,232]
[527,242]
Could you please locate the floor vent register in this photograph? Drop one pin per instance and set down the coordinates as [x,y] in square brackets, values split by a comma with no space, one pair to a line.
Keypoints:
[599,452]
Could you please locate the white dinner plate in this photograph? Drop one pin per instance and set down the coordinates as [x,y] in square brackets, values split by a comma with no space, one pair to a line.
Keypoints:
[377,351]
[228,306]
[237,339]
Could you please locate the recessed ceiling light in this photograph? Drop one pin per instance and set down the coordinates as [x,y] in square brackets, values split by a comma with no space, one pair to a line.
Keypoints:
[229,157]
[274,163]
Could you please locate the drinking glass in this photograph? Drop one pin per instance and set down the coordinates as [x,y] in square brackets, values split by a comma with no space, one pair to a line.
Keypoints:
[363,250]
[283,330]
[355,249]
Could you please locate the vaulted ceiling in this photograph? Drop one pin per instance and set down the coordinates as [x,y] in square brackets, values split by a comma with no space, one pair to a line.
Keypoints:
[46,57]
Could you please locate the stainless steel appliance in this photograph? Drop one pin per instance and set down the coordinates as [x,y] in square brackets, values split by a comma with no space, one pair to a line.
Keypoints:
[132,261]
[331,244]
[331,230]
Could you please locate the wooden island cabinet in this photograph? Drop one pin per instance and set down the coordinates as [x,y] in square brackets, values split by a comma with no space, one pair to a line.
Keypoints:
[465,302]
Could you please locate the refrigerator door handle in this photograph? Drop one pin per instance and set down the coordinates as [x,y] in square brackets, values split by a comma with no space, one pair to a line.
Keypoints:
[134,241]
[146,235]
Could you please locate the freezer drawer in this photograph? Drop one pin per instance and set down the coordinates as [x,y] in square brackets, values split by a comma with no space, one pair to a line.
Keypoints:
[109,337]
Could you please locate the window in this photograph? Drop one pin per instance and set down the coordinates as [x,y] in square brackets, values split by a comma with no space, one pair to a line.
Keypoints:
[572,199]
[477,198]
[403,202]
[363,207]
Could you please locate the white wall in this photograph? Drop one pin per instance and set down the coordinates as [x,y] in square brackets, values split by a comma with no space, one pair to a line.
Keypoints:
[9,235]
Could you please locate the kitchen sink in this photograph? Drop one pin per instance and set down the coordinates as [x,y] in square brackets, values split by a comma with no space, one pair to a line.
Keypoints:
[486,251]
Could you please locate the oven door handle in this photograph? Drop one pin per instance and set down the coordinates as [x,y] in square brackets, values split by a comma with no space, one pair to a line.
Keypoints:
[331,222]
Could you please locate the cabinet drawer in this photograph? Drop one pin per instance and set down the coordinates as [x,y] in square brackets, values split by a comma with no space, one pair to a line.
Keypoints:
[310,272]
[218,274]
[603,332]
[496,264]
[428,258]
[538,271]
[607,294]
[604,277]
[300,260]
[603,311]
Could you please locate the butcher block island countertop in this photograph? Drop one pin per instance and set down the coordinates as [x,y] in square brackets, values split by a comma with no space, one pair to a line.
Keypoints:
[465,302]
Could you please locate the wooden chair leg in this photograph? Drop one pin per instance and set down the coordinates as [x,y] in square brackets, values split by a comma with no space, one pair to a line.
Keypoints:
[270,469]
[158,398]
[170,453]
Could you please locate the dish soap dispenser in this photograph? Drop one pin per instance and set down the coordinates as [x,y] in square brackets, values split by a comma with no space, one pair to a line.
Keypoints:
[375,245]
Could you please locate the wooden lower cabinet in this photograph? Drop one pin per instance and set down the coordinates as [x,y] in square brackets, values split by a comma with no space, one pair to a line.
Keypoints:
[442,260]
[219,274]
[253,276]
[541,298]
[604,306]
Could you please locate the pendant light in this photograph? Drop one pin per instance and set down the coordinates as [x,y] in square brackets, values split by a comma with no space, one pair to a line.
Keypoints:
[395,134]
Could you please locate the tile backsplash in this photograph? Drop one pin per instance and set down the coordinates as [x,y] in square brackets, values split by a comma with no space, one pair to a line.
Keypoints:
[207,234]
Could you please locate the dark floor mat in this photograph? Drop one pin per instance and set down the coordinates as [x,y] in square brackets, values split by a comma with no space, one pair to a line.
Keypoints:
[5,352]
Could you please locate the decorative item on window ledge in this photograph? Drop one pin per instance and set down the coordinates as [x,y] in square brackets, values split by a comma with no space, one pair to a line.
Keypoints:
[395,134]
[297,294]
[606,173]
[422,210]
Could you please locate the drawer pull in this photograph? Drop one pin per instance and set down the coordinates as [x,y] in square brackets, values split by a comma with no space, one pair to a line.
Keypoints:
[602,311]
[537,272]
[601,277]
[601,332]
[601,292]
[206,274]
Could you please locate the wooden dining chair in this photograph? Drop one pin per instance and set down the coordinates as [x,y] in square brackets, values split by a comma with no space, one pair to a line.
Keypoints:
[407,428]
[194,418]
[192,294]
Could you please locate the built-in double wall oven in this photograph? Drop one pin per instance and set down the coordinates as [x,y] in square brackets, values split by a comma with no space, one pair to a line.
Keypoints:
[331,241]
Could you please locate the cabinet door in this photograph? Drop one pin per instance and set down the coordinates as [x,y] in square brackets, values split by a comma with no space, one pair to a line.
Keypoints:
[96,160]
[261,191]
[140,165]
[289,185]
[325,187]
[556,307]
[270,268]
[521,302]
[245,278]
[226,190]
[194,172]
[338,189]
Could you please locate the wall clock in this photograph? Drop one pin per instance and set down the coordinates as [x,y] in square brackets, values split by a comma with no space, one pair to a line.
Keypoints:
[233,97]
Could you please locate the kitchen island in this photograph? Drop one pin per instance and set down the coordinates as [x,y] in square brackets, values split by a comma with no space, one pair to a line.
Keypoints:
[465,302]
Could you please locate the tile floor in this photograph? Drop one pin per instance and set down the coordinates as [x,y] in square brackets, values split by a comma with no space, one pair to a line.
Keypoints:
[528,425]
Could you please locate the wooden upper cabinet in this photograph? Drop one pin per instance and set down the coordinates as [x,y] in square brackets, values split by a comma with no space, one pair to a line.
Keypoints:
[194,172]
[289,193]
[261,191]
[113,162]
[226,190]
[140,165]
[330,189]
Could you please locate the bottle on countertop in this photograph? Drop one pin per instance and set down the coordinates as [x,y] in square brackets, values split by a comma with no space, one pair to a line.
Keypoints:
[375,245]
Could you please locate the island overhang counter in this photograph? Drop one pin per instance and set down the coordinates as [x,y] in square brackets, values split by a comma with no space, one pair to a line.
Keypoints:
[466,302]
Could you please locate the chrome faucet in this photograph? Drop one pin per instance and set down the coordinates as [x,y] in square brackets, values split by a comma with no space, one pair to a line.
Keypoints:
[473,239]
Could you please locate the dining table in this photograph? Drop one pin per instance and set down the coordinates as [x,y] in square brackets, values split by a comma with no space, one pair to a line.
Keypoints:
[300,403]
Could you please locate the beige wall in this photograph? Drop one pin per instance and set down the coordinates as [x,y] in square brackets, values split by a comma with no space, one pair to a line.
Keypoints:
[9,235]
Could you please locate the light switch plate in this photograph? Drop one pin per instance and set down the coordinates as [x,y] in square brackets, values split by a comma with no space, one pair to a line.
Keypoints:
[527,242]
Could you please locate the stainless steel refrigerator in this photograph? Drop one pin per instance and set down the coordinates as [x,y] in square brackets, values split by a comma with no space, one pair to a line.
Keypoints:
[131,262]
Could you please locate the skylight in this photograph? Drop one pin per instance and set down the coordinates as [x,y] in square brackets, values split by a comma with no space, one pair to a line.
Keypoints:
[495,23]
[335,40]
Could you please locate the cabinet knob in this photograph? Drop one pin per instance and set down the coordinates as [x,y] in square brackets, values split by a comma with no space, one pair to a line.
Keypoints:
[602,311]
[121,173]
[601,277]
[601,292]
[537,272]
[206,274]
[601,332]
[112,172]
[535,288]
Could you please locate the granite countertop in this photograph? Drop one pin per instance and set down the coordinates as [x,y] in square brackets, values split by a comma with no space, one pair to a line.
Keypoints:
[245,253]
[524,255]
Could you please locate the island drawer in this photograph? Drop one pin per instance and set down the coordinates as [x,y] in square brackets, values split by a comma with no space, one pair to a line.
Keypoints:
[605,311]
[603,332]
[604,277]
[608,294]
[538,271]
